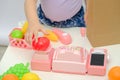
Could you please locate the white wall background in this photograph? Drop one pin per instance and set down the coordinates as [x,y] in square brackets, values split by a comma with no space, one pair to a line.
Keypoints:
[11,12]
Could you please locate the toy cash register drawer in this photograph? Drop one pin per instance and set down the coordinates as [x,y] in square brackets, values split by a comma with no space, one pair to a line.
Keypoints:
[70,60]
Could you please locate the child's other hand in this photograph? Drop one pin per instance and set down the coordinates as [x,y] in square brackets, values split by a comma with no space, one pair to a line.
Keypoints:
[86,17]
[33,30]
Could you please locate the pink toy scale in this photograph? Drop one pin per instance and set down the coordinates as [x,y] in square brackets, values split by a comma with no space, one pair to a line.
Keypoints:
[64,37]
[42,60]
[21,43]
[70,59]
[97,62]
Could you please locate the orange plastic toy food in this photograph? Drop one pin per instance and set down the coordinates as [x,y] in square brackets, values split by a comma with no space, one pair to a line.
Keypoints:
[10,77]
[114,73]
[51,35]
[30,76]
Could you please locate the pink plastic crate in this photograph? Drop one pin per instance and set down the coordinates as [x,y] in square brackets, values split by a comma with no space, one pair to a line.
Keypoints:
[21,43]
[70,60]
[97,61]
[42,60]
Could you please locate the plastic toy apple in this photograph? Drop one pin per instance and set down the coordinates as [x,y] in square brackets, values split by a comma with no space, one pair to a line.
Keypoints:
[30,76]
[42,44]
[17,34]
[114,73]
[10,77]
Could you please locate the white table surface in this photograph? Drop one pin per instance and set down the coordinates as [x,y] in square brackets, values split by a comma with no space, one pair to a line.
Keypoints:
[14,55]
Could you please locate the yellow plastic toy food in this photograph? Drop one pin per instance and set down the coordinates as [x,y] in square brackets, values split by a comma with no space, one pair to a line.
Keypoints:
[24,27]
[51,35]
[30,76]
[10,77]
[114,73]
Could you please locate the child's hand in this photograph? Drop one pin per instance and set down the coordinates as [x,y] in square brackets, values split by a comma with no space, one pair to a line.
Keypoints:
[33,31]
[86,17]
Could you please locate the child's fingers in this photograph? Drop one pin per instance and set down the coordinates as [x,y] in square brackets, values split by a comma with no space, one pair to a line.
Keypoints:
[30,38]
[27,37]
[44,31]
[86,18]
[36,36]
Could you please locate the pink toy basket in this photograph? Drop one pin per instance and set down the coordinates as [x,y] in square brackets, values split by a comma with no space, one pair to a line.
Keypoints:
[21,43]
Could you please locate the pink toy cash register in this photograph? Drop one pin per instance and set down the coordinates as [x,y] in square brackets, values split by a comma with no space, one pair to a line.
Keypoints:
[70,60]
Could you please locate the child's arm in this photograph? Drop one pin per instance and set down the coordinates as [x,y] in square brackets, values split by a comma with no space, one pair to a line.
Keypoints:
[33,20]
[86,3]
[86,11]
[31,12]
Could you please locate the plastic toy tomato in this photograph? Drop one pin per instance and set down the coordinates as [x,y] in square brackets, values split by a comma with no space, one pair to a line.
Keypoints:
[42,44]
[114,73]
[10,77]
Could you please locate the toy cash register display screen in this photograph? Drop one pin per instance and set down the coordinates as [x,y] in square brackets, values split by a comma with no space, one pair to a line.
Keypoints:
[97,59]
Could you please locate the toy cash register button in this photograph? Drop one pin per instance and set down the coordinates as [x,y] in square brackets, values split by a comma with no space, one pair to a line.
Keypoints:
[42,44]
[64,37]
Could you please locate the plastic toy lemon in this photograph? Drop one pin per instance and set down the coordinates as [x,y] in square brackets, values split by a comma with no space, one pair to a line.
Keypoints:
[10,77]
[30,76]
[24,28]
[51,35]
[114,73]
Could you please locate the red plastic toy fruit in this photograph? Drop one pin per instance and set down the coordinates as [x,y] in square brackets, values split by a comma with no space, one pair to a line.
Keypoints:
[42,44]
[10,77]
[17,34]
[114,73]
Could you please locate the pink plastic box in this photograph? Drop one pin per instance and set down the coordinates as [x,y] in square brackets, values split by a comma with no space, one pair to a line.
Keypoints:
[97,61]
[42,60]
[70,60]
[21,43]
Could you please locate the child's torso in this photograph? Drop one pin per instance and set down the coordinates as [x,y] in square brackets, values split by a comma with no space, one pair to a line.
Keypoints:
[59,10]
